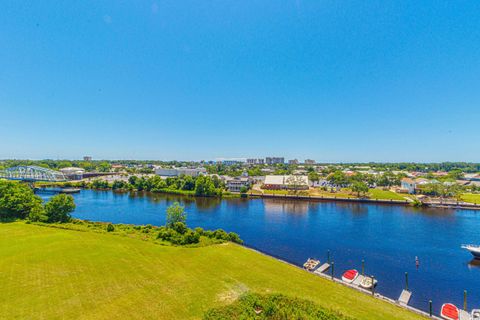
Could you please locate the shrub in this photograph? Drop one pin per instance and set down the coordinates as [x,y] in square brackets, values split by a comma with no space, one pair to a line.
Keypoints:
[180,227]
[233,237]
[110,228]
[220,234]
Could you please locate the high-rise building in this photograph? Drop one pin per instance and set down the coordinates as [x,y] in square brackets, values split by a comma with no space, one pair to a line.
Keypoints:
[294,161]
[255,161]
[309,161]
[87,158]
[275,160]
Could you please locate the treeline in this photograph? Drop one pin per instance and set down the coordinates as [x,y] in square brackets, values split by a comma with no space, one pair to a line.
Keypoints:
[386,179]
[200,186]
[467,167]
[17,201]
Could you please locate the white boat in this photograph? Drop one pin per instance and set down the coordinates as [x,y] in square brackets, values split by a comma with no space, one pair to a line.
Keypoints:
[474,249]
[350,275]
[475,314]
[368,282]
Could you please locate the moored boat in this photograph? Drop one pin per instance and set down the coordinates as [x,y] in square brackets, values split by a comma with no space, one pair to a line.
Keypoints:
[350,275]
[368,282]
[311,264]
[475,314]
[474,250]
[449,312]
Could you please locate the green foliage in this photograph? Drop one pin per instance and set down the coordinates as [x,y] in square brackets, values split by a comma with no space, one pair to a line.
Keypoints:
[110,228]
[59,207]
[176,213]
[17,201]
[243,189]
[359,187]
[204,186]
[313,176]
[273,306]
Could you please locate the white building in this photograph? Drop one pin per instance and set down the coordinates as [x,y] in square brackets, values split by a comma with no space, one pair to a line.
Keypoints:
[290,182]
[175,172]
[309,161]
[255,161]
[409,184]
[73,173]
[237,183]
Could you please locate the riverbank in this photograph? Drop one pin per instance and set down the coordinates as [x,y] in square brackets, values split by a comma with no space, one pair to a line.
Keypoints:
[92,275]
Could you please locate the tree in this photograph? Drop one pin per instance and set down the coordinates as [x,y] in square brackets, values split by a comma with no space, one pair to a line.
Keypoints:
[176,213]
[313,176]
[59,207]
[17,201]
[359,187]
[295,183]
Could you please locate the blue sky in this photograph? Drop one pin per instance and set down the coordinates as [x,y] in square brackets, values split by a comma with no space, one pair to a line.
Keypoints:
[328,80]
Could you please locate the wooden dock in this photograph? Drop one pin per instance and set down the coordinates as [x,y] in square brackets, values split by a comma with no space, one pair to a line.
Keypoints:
[404,297]
[324,267]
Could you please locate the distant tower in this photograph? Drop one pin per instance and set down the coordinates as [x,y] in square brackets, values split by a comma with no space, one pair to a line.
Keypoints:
[87,158]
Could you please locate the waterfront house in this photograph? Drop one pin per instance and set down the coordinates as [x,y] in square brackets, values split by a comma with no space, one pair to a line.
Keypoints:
[237,183]
[409,185]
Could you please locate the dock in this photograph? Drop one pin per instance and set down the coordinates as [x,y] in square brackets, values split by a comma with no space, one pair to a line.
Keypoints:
[404,298]
[324,267]
[464,315]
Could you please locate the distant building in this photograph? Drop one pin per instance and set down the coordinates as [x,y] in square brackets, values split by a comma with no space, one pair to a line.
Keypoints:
[286,182]
[231,162]
[175,172]
[255,161]
[87,158]
[309,161]
[294,161]
[274,160]
[73,173]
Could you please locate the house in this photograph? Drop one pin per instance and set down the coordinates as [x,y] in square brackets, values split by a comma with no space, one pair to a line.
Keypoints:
[286,182]
[237,183]
[409,185]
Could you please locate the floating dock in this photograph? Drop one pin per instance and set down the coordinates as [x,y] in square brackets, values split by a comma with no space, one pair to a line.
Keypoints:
[404,297]
[324,267]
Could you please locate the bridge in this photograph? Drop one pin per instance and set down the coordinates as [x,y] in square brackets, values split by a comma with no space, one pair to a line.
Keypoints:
[32,174]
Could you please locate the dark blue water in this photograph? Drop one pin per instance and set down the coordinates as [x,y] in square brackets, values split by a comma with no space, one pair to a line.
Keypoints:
[388,238]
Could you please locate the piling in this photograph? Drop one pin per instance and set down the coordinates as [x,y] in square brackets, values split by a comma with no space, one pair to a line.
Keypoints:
[406,281]
[373,285]
[430,308]
[328,256]
[333,266]
[465,300]
[363,267]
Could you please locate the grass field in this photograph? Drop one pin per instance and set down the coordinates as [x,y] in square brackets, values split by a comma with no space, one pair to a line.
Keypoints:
[385,195]
[51,273]
[471,197]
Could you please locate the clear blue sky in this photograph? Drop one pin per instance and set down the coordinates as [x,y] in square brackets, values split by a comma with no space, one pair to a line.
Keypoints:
[191,80]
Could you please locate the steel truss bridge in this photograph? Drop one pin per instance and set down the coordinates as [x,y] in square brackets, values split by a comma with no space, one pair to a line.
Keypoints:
[32,174]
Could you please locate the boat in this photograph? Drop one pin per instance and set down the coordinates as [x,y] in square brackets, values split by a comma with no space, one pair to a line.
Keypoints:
[368,282]
[474,250]
[475,314]
[311,264]
[350,275]
[449,312]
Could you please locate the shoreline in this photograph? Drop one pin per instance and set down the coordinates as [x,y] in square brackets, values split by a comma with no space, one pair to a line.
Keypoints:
[250,195]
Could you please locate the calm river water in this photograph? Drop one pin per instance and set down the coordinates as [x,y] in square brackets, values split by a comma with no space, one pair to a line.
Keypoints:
[388,238]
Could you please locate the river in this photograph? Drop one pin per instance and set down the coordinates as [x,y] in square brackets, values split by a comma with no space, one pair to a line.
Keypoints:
[388,238]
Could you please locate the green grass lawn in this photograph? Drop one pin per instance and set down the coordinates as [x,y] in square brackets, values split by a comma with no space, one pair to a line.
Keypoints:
[385,195]
[471,197]
[52,273]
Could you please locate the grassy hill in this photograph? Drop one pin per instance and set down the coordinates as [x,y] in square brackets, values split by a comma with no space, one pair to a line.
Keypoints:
[51,273]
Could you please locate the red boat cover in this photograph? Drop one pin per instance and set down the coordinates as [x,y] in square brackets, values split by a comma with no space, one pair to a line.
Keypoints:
[350,274]
[450,311]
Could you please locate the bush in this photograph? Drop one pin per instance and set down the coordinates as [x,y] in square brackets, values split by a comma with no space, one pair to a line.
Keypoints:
[180,227]
[110,228]
[233,237]
[220,234]
[274,306]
